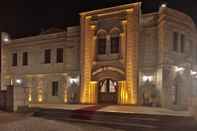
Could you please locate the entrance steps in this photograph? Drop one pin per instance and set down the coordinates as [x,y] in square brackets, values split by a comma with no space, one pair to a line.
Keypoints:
[120,120]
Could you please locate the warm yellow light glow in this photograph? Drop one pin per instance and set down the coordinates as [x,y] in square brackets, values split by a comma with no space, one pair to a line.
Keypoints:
[88,17]
[90,93]
[40,90]
[130,10]
[30,96]
[123,94]
[40,98]
[65,96]
[93,27]
[124,22]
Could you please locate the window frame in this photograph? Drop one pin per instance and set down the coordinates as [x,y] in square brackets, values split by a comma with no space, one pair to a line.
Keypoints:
[59,55]
[55,88]
[14,59]
[25,59]
[175,41]
[47,56]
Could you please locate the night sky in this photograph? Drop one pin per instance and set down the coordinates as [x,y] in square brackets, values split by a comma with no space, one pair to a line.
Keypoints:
[28,17]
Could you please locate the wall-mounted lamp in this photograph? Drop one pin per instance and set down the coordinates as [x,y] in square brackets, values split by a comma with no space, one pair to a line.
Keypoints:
[147,78]
[18,81]
[178,69]
[74,80]
[5,39]
[193,72]
[164,5]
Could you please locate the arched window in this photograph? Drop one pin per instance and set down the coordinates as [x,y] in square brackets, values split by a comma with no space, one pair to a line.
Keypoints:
[115,41]
[101,42]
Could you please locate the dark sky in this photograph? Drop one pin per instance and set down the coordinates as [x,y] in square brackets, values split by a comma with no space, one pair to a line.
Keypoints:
[27,17]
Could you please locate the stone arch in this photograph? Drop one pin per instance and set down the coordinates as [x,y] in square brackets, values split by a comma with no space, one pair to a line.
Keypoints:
[101,33]
[115,31]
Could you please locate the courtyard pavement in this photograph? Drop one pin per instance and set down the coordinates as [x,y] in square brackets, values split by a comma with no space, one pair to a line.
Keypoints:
[115,108]
[24,122]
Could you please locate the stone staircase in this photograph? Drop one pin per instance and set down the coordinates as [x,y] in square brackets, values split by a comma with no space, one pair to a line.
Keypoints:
[127,121]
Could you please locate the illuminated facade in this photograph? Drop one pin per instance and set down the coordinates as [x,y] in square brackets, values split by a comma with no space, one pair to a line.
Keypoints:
[117,56]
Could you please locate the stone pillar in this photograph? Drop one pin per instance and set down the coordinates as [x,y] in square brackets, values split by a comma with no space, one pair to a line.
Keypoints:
[123,40]
[87,35]
[108,44]
[167,83]
[131,61]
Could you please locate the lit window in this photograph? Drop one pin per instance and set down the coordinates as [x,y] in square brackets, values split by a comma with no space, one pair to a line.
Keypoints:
[112,88]
[104,87]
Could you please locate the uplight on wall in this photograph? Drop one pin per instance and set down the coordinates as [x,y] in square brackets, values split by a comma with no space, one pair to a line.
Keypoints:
[147,78]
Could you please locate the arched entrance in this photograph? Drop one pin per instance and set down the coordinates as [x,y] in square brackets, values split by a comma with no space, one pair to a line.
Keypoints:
[107,91]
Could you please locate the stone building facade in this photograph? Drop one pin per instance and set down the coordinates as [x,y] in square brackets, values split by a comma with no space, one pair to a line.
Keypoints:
[116,56]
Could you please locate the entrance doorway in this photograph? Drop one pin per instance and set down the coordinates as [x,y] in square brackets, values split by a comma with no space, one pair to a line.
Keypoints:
[107,91]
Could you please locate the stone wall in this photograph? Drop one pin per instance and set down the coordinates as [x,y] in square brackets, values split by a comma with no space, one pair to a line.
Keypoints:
[37,76]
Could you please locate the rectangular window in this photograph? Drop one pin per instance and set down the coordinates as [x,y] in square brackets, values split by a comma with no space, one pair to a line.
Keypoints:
[101,46]
[25,58]
[14,59]
[60,55]
[47,56]
[55,86]
[175,41]
[182,43]
[115,45]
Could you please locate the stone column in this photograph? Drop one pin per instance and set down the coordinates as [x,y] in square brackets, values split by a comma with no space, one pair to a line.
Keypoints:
[131,60]
[123,40]
[108,44]
[87,35]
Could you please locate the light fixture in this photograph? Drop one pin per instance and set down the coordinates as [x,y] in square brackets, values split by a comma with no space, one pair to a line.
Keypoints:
[178,69]
[74,80]
[147,78]
[6,39]
[18,81]
[164,5]
[193,72]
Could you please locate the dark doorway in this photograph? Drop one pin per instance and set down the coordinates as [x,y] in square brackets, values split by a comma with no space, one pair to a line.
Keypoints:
[107,91]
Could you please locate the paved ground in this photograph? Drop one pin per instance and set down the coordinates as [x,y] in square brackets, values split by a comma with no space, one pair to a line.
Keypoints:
[24,122]
[11,117]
